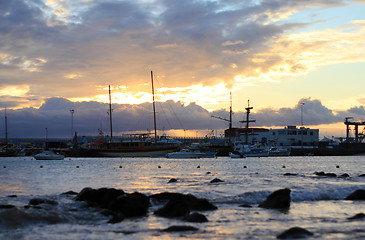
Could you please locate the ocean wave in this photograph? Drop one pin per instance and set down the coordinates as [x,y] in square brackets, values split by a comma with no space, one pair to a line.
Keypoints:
[297,195]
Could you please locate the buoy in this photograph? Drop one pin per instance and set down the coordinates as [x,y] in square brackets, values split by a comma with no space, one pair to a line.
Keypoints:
[120,166]
[4,166]
[198,166]
[337,166]
[245,166]
[41,166]
[77,166]
[159,166]
[283,166]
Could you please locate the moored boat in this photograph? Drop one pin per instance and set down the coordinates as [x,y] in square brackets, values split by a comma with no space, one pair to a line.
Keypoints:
[279,151]
[242,150]
[48,155]
[129,149]
[136,145]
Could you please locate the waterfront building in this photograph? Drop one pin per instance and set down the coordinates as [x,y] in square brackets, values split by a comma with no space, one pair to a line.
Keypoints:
[288,136]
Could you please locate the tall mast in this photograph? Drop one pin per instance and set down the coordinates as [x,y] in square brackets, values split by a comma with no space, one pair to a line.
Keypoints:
[110,114]
[154,108]
[248,110]
[230,111]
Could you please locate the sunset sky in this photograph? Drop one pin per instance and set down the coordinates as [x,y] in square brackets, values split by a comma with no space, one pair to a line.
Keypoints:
[57,55]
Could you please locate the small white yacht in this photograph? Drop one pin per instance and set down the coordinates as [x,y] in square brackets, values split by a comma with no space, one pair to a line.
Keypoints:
[48,155]
[242,150]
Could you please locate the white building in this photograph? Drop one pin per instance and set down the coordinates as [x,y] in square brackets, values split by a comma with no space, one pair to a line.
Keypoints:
[288,136]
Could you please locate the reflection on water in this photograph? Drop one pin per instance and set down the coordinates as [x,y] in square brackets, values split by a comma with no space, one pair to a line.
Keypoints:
[316,205]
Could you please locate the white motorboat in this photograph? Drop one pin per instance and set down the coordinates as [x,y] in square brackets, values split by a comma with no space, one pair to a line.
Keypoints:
[279,151]
[236,154]
[48,155]
[241,150]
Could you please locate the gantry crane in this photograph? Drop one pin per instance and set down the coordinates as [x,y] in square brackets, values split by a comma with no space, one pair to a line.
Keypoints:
[356,124]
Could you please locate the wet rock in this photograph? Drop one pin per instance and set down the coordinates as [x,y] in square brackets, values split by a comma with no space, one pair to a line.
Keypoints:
[362,175]
[102,196]
[179,204]
[324,174]
[29,206]
[345,175]
[172,180]
[37,201]
[319,173]
[290,174]
[116,219]
[173,208]
[194,203]
[69,193]
[295,232]
[6,206]
[357,216]
[119,204]
[12,196]
[246,206]
[180,229]
[195,217]
[208,172]
[356,195]
[216,180]
[278,199]
[130,205]
[165,196]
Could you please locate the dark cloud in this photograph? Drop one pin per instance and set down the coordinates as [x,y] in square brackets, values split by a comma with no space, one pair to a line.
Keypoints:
[118,42]
[88,117]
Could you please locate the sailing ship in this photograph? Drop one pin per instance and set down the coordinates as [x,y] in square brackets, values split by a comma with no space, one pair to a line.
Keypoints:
[8,149]
[136,145]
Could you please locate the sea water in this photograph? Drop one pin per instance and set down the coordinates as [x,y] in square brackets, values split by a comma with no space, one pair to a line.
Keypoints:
[317,202]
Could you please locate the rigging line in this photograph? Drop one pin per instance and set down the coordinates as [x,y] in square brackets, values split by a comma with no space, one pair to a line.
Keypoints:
[171,108]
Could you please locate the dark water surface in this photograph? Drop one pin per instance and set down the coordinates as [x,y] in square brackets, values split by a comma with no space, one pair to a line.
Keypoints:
[316,202]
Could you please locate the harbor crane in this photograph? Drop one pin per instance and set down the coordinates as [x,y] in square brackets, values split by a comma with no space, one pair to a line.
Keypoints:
[230,114]
[354,123]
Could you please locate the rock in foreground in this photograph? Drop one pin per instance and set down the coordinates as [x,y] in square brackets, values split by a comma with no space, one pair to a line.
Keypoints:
[179,205]
[295,232]
[356,195]
[278,199]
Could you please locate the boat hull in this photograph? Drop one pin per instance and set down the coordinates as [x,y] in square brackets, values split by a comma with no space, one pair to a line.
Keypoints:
[48,156]
[190,155]
[125,149]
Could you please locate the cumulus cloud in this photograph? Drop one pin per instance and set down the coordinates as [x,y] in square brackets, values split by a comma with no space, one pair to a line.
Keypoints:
[74,46]
[89,117]
[55,51]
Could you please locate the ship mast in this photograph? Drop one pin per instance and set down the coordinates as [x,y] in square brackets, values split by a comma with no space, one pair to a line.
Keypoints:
[248,110]
[110,114]
[230,111]
[154,108]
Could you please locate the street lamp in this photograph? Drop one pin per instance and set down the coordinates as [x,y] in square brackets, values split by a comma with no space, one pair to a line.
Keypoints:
[301,111]
[302,130]
[72,122]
